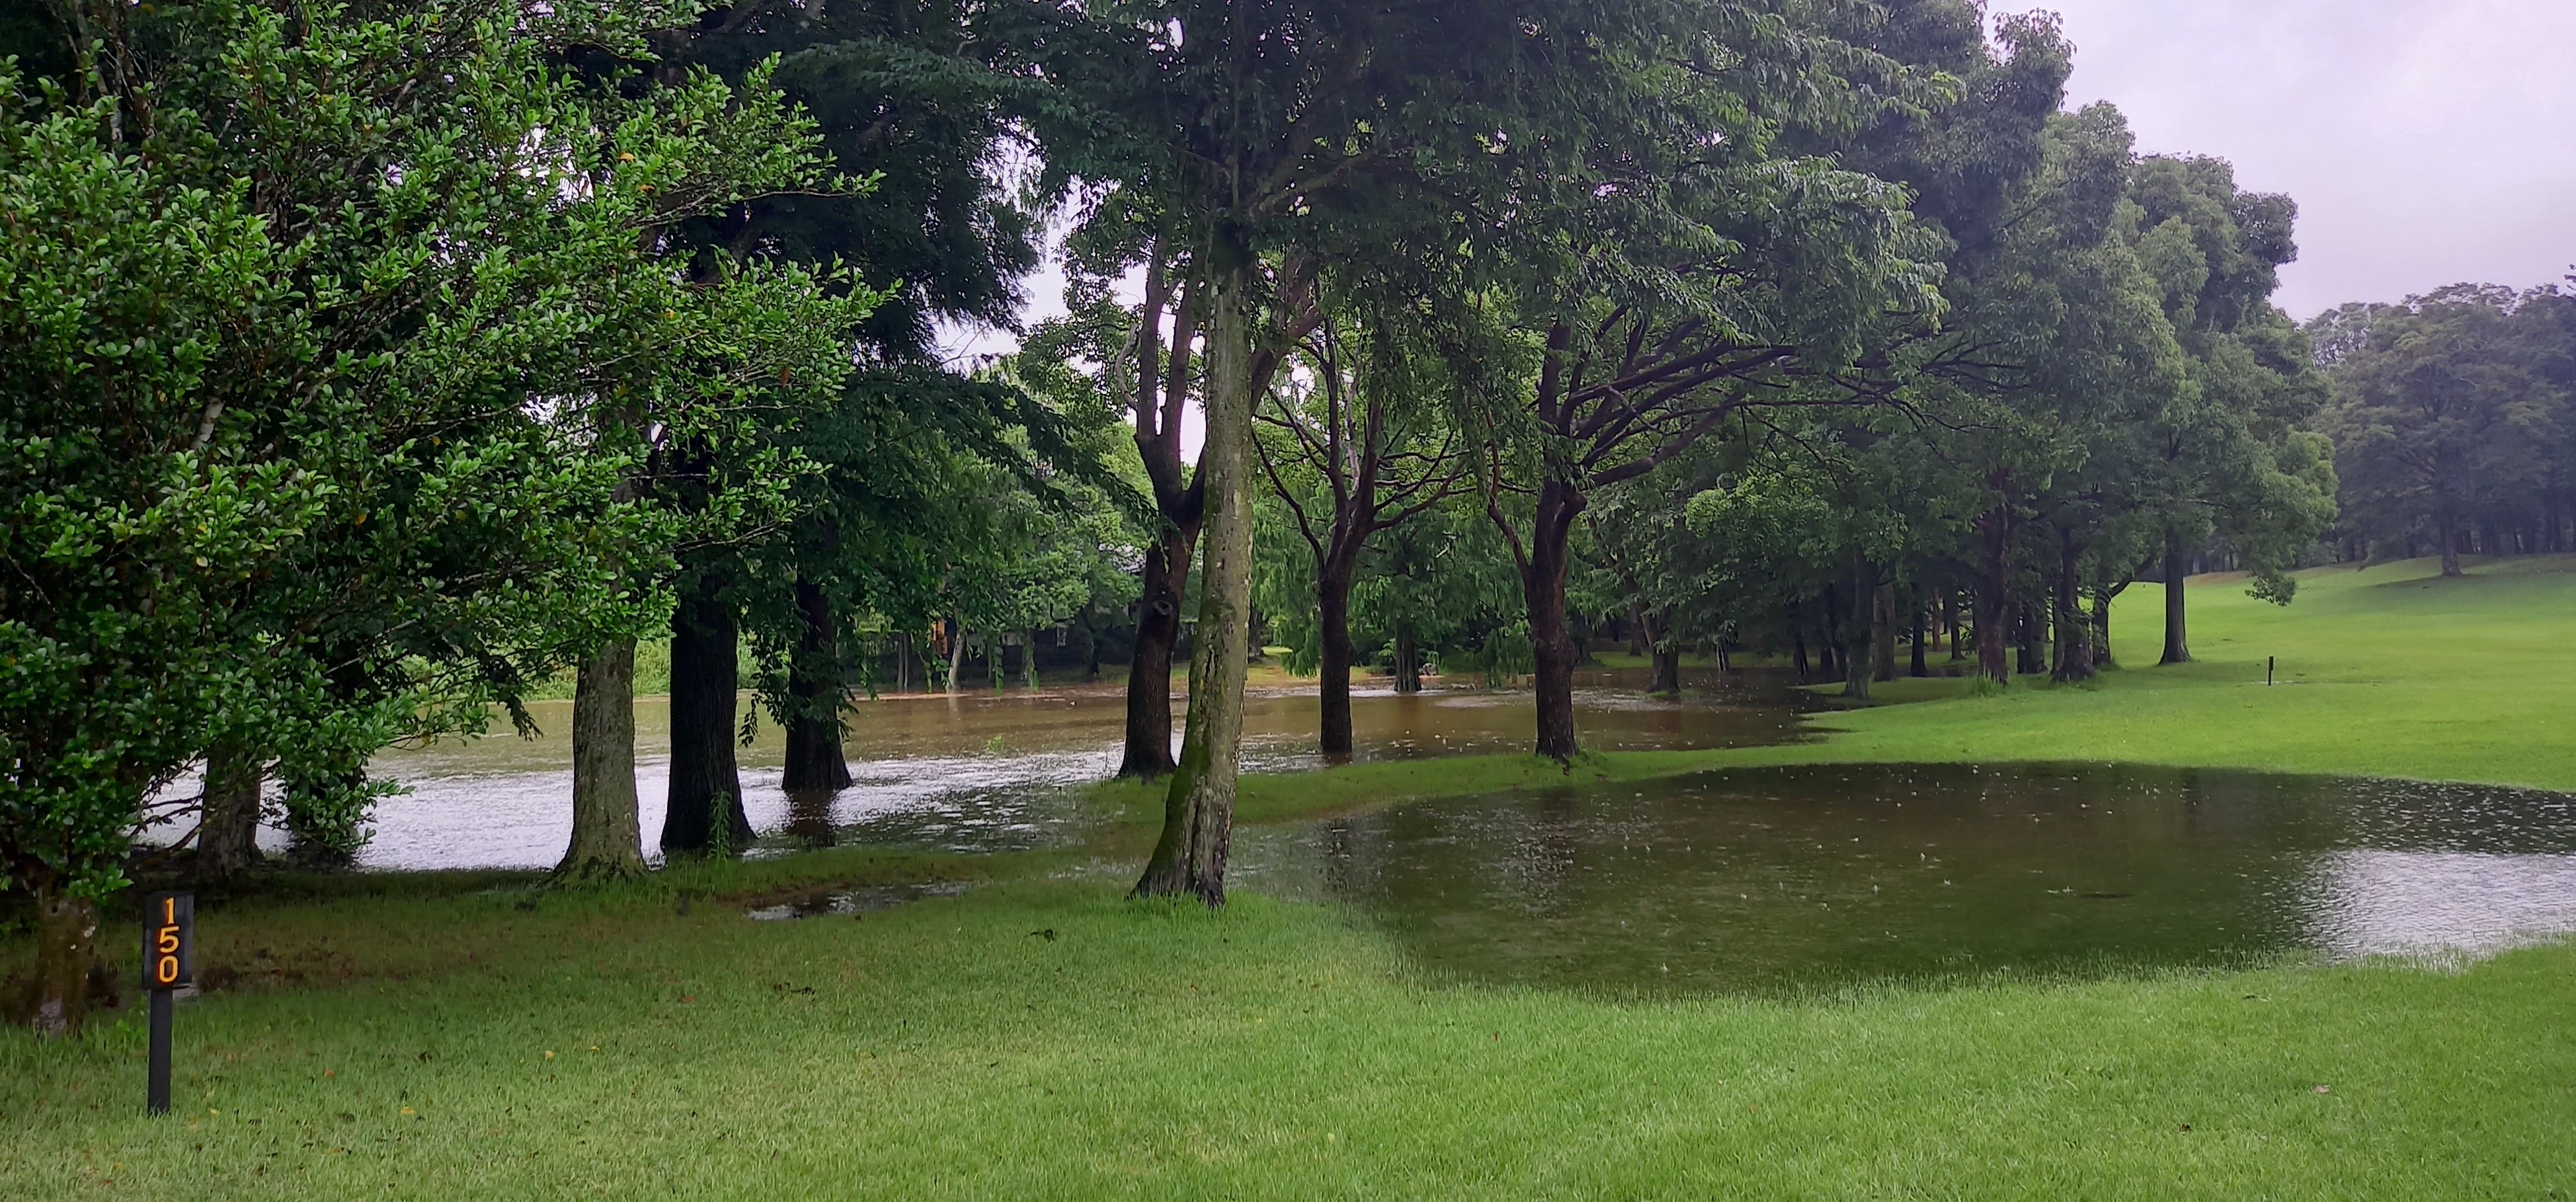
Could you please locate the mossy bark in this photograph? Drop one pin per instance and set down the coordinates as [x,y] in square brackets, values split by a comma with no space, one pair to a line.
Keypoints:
[66,950]
[1198,811]
[228,826]
[607,841]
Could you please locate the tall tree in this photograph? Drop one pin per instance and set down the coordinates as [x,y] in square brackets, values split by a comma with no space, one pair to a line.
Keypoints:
[2443,401]
[310,319]
[1263,139]
[1357,445]
[1682,262]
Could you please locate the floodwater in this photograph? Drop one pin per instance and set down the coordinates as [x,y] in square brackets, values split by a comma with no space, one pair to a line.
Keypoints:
[1758,881]
[988,771]
[1794,878]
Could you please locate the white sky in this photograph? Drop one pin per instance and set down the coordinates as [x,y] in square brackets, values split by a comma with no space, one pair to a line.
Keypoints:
[2426,141]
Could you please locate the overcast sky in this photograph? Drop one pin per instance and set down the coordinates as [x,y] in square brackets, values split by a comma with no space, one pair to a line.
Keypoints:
[2426,141]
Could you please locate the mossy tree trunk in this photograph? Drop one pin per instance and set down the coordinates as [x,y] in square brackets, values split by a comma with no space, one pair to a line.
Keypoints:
[66,951]
[1198,811]
[607,841]
[228,826]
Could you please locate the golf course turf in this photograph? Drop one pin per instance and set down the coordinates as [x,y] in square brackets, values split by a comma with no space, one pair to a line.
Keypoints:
[470,1036]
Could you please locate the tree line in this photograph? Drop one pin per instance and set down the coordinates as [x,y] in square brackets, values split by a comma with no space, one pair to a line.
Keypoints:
[370,367]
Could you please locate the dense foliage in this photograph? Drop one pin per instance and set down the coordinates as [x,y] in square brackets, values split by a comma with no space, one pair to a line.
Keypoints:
[365,367]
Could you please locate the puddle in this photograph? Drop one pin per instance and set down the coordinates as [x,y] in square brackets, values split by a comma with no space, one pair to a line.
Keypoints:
[827,903]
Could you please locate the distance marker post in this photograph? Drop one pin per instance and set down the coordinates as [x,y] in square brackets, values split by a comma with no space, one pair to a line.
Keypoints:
[169,961]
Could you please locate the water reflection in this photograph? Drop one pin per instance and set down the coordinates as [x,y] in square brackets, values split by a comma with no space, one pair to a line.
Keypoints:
[992,771]
[1772,879]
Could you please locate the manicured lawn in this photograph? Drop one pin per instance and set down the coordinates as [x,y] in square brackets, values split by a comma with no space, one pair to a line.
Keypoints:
[450,1036]
[2392,671]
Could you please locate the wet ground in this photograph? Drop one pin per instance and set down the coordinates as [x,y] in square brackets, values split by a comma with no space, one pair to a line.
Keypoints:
[1747,881]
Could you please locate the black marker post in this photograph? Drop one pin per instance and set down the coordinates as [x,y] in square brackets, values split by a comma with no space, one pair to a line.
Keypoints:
[169,961]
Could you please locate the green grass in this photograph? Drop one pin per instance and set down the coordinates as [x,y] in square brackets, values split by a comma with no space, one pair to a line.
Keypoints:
[2392,671]
[952,1049]
[1040,1037]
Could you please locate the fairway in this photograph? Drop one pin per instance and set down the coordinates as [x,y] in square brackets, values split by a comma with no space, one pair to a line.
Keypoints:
[2387,671]
[427,1036]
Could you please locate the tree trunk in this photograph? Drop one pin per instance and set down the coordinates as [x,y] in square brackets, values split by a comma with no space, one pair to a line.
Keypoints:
[1798,652]
[1914,665]
[228,828]
[2074,628]
[1994,533]
[2177,646]
[2031,622]
[1882,631]
[1333,613]
[1950,623]
[814,756]
[706,786]
[956,656]
[1859,631]
[1551,643]
[1408,662]
[66,950]
[607,841]
[2101,621]
[2449,520]
[1149,671]
[1665,675]
[1198,811]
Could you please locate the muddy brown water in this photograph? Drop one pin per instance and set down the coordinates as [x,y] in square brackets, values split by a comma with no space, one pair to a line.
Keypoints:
[1749,880]
[986,771]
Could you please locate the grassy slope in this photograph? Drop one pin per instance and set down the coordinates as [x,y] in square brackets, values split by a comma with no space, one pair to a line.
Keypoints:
[2387,672]
[950,1049]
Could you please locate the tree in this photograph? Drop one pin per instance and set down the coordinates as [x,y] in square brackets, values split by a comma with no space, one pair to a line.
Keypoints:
[1358,446]
[1259,140]
[2236,456]
[311,322]
[916,99]
[1684,263]
[2440,403]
